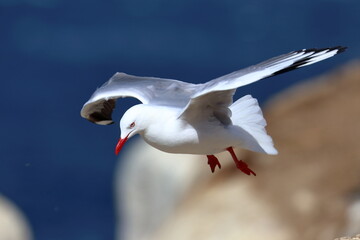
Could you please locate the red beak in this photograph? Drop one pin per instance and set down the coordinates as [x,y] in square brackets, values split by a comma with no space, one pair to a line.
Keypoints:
[120,144]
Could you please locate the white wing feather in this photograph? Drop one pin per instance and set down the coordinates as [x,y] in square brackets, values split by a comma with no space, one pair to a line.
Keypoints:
[274,66]
[271,67]
[148,90]
[168,92]
[247,115]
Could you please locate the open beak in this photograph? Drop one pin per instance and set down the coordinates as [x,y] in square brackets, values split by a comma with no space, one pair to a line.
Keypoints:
[120,144]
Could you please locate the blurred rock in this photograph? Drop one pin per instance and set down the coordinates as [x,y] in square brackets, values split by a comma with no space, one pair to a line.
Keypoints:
[309,191]
[357,237]
[316,127]
[353,216]
[149,186]
[13,225]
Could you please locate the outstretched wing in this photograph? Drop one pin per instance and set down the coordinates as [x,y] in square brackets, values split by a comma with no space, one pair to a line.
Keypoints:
[209,107]
[216,95]
[271,67]
[148,90]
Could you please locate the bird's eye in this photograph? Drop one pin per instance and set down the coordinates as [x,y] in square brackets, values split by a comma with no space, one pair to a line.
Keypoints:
[132,125]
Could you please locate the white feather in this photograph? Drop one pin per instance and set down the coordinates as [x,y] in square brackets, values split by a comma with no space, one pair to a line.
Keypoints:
[247,114]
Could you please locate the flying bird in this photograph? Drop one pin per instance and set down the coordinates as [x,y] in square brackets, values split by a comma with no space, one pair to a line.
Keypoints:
[181,117]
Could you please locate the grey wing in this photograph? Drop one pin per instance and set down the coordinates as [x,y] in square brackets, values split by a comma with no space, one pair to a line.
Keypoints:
[148,90]
[214,97]
[210,107]
[271,67]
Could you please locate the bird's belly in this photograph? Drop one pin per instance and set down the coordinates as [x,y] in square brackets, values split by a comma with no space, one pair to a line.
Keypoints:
[189,141]
[186,147]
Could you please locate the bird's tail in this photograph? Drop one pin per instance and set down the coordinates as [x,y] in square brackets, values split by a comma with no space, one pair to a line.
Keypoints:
[247,115]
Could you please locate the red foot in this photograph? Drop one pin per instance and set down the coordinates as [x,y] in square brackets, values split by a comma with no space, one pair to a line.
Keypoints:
[240,164]
[213,161]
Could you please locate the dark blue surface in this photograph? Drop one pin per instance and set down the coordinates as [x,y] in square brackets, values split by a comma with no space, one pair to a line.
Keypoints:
[59,168]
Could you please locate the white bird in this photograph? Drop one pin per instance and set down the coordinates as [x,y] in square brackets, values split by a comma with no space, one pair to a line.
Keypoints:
[180,117]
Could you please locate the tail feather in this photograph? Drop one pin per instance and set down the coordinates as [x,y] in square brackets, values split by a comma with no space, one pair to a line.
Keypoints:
[247,115]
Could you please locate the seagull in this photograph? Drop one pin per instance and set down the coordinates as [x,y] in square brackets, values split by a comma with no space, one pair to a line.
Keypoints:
[181,117]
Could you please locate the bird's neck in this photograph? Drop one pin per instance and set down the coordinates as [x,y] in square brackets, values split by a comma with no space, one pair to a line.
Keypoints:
[156,117]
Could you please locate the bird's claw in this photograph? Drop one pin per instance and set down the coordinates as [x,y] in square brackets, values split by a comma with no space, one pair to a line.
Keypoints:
[244,168]
[213,162]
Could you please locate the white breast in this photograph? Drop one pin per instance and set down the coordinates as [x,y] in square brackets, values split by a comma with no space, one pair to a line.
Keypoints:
[177,136]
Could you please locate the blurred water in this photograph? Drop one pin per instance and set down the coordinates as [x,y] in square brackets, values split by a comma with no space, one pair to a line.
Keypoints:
[57,167]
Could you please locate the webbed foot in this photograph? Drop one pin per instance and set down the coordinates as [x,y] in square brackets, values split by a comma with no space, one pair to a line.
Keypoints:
[213,162]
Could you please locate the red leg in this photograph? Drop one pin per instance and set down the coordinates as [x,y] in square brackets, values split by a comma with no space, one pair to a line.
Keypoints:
[240,164]
[213,161]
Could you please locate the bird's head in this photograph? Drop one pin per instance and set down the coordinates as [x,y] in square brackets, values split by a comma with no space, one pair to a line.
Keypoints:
[130,124]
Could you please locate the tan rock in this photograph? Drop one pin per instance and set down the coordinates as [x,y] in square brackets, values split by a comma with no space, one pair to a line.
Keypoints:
[357,237]
[13,225]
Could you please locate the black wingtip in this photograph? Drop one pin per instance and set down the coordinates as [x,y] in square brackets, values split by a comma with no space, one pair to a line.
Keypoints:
[102,113]
[100,119]
[307,60]
[339,49]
